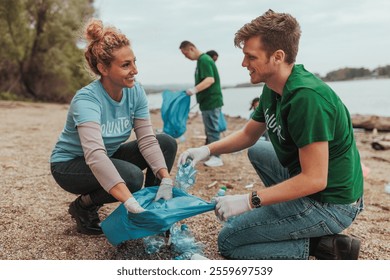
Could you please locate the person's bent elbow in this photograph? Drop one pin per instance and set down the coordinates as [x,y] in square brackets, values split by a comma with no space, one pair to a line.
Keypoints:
[319,184]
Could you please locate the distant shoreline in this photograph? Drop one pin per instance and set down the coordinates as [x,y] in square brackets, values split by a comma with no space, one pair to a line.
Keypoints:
[178,87]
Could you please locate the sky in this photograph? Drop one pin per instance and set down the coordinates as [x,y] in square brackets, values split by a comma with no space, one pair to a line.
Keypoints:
[335,34]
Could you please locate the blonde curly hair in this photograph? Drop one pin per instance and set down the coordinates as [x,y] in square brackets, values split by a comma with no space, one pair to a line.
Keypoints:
[102,42]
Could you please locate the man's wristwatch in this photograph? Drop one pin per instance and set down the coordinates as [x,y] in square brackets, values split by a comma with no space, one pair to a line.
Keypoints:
[255,200]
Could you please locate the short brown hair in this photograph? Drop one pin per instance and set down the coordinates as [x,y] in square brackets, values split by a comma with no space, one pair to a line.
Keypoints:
[186,44]
[278,31]
[103,41]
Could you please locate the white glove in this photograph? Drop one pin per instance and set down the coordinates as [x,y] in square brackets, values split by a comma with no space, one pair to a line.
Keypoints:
[231,205]
[133,206]
[191,91]
[165,189]
[196,154]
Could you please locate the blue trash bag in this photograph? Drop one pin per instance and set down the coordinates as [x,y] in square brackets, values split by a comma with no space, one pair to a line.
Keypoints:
[222,123]
[174,112]
[159,216]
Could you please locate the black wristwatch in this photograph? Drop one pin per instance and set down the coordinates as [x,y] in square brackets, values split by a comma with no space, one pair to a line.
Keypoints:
[256,200]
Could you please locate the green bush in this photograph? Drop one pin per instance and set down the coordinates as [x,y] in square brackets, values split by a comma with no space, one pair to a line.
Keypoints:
[9,96]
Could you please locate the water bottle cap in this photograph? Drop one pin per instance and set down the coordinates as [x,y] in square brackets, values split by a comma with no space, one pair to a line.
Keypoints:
[188,162]
[184,227]
[223,188]
[221,192]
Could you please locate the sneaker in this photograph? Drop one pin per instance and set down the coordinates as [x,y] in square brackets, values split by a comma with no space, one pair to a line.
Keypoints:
[214,162]
[337,247]
[87,219]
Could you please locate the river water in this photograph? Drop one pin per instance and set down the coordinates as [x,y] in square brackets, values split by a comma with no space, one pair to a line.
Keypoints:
[366,97]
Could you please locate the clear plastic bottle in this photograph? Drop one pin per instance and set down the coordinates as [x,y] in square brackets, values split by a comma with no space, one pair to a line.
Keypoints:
[184,256]
[182,139]
[185,177]
[153,243]
[198,257]
[387,188]
[190,256]
[184,243]
[221,192]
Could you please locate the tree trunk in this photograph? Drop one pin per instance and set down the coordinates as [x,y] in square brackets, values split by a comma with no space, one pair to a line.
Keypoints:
[370,122]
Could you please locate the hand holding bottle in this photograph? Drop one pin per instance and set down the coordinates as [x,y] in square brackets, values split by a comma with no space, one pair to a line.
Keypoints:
[196,154]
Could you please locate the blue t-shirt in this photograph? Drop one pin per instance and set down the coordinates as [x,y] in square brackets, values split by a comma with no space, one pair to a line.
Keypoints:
[93,104]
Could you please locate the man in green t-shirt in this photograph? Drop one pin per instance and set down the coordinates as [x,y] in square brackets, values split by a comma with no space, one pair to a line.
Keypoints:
[311,166]
[208,94]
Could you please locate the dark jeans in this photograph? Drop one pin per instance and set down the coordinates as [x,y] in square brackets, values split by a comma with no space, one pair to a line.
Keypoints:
[76,177]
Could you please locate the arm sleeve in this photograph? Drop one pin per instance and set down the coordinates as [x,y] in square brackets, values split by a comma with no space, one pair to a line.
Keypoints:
[148,145]
[313,119]
[96,155]
[206,69]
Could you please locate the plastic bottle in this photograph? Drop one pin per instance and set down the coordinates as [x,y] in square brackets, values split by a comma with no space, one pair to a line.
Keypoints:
[185,177]
[184,242]
[182,138]
[198,257]
[221,192]
[190,256]
[184,256]
[387,188]
[153,243]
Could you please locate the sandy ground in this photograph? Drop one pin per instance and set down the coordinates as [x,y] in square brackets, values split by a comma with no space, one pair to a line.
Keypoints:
[34,223]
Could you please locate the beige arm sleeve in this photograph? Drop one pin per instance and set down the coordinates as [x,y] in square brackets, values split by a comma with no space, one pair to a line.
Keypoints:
[96,155]
[148,145]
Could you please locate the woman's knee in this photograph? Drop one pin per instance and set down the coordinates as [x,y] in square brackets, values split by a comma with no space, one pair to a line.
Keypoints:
[133,177]
[168,147]
[167,142]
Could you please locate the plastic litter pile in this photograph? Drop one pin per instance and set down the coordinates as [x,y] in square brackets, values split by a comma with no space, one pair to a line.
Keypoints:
[154,243]
[179,238]
[184,243]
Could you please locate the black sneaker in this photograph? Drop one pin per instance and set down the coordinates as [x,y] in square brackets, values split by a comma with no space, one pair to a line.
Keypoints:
[337,247]
[87,219]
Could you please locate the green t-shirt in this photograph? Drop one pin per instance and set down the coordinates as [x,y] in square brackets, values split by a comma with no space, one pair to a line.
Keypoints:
[310,111]
[211,97]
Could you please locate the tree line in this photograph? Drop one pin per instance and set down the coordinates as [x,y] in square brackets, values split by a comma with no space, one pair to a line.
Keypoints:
[39,56]
[357,73]
[346,74]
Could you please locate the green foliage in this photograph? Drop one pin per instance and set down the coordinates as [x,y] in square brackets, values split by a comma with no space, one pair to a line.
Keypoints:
[357,73]
[39,57]
[383,71]
[9,96]
[347,74]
